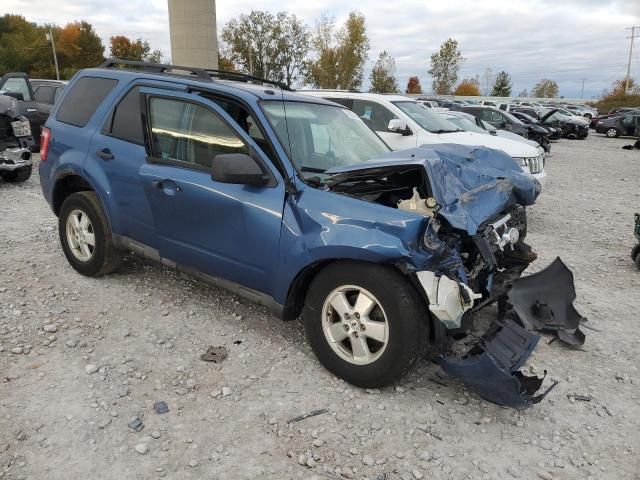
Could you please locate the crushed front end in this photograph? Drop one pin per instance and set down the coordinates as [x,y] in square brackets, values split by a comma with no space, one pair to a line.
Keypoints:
[472,255]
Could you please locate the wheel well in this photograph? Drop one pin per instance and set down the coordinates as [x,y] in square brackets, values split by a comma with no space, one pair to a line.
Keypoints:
[299,287]
[65,187]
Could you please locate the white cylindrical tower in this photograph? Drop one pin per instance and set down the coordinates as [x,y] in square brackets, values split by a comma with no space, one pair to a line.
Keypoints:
[194,38]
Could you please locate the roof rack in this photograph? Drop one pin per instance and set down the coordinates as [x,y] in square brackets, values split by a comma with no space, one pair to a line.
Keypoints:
[201,73]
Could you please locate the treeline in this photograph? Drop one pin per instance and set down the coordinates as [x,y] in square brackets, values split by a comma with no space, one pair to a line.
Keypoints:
[26,47]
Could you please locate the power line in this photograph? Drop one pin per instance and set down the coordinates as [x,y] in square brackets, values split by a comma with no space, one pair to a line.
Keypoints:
[632,37]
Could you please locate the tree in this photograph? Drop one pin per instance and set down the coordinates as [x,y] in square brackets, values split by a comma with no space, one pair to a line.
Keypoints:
[413,85]
[617,97]
[294,47]
[488,77]
[444,67]
[225,63]
[124,48]
[545,88]
[619,88]
[339,55]
[502,85]
[524,93]
[382,77]
[468,87]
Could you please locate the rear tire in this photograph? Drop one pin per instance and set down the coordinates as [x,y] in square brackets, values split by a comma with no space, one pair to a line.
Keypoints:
[17,176]
[397,305]
[88,245]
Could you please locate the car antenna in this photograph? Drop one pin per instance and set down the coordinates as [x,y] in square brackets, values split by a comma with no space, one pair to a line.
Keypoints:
[290,184]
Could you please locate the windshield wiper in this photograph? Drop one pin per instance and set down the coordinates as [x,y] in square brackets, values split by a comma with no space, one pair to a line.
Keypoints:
[447,131]
[313,169]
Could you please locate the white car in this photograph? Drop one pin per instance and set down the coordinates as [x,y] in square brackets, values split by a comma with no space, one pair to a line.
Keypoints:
[404,123]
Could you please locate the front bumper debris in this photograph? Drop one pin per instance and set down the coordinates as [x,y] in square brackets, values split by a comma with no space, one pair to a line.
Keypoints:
[541,302]
[491,367]
[14,158]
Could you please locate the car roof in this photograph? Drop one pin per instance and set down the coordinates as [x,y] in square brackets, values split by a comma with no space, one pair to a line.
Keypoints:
[365,95]
[264,92]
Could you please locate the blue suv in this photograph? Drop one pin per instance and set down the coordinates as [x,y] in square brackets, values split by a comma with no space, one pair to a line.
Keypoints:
[291,202]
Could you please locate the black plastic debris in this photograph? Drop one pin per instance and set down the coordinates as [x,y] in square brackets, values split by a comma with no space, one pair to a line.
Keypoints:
[491,367]
[160,407]
[214,354]
[136,424]
[543,301]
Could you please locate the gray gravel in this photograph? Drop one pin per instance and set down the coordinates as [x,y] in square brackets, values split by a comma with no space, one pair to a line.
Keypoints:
[80,357]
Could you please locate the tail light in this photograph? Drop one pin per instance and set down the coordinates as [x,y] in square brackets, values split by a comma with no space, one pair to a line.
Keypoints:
[45,138]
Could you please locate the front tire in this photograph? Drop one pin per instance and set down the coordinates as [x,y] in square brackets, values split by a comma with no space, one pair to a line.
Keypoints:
[86,237]
[19,175]
[612,132]
[366,323]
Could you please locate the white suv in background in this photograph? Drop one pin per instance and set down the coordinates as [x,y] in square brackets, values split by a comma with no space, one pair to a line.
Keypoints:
[404,123]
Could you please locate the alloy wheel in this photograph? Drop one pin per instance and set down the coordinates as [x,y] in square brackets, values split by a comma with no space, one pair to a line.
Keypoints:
[80,235]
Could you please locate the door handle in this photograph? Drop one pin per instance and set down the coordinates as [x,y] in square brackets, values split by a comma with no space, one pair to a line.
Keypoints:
[31,110]
[168,187]
[105,154]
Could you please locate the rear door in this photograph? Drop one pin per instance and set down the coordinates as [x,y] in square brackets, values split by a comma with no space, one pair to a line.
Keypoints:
[225,230]
[45,98]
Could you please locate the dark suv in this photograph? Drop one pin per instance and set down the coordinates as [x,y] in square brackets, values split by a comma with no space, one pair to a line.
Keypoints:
[292,202]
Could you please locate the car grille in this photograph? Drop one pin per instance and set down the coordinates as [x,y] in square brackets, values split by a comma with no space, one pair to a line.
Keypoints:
[535,164]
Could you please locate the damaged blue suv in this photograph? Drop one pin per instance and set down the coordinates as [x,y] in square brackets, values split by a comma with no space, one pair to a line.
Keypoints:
[294,203]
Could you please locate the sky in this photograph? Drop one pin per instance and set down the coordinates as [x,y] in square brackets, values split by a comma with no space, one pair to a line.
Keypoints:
[565,40]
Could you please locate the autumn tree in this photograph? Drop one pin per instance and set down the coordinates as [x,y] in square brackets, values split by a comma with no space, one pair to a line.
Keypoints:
[413,85]
[382,77]
[445,65]
[225,63]
[267,45]
[468,87]
[123,48]
[502,85]
[616,97]
[545,88]
[339,55]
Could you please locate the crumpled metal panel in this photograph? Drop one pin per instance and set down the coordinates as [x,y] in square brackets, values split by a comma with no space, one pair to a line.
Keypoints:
[471,184]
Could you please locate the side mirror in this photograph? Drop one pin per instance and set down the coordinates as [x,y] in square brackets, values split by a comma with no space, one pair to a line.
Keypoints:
[238,168]
[398,126]
[493,132]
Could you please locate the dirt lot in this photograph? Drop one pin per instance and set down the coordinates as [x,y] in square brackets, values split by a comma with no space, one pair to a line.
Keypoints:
[81,357]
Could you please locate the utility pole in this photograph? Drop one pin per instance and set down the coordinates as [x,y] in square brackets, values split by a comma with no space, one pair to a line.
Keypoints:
[49,36]
[633,35]
[582,91]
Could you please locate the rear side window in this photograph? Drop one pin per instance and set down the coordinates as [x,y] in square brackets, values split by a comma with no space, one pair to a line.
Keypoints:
[44,94]
[83,100]
[127,120]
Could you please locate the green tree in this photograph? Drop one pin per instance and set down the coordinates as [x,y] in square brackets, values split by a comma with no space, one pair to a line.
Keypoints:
[413,85]
[545,88]
[382,77]
[124,48]
[293,48]
[445,65]
[502,85]
[340,55]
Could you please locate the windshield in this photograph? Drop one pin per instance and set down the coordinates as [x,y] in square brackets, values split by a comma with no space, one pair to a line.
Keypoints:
[322,136]
[465,124]
[432,122]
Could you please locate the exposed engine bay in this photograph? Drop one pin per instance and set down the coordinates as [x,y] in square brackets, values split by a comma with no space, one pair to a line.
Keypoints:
[473,269]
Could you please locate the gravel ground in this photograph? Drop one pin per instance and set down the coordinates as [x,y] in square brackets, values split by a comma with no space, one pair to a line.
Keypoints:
[81,358]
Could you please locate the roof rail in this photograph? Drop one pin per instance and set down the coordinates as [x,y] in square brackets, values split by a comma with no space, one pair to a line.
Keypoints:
[201,73]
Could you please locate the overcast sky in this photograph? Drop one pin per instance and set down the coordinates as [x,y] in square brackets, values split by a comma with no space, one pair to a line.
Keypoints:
[566,40]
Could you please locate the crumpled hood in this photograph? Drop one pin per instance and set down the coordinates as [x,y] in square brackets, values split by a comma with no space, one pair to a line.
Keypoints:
[471,184]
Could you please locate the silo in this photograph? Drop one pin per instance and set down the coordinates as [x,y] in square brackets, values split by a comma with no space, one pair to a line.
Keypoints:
[192,25]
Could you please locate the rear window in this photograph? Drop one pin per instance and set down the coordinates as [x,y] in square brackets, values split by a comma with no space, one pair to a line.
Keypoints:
[83,100]
[127,119]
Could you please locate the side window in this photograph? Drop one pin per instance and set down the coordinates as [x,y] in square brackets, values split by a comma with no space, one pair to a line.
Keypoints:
[127,120]
[189,133]
[347,102]
[44,94]
[85,97]
[58,94]
[18,85]
[375,115]
[628,119]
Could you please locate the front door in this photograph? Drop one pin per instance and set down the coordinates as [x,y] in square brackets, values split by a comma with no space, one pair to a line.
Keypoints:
[222,229]
[377,117]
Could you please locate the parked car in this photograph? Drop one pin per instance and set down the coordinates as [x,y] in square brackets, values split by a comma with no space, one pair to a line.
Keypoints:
[404,123]
[616,112]
[627,125]
[46,94]
[432,105]
[505,121]
[16,142]
[554,132]
[572,127]
[292,202]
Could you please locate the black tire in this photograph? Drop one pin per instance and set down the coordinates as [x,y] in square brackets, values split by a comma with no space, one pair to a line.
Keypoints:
[609,132]
[407,317]
[105,257]
[17,176]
